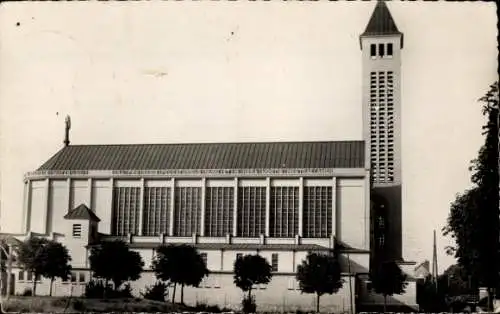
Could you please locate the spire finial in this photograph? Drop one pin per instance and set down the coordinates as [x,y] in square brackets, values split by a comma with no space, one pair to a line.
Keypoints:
[67,128]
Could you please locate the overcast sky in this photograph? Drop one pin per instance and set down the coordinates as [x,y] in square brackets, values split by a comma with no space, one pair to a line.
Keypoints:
[164,72]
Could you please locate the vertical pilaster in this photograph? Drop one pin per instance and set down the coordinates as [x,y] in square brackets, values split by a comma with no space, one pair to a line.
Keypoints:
[141,207]
[268,205]
[69,200]
[48,215]
[203,203]
[367,210]
[27,204]
[113,212]
[172,208]
[334,207]
[235,208]
[301,206]
[89,197]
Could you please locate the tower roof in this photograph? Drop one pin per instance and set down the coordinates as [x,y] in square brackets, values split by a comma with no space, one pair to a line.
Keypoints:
[82,212]
[381,23]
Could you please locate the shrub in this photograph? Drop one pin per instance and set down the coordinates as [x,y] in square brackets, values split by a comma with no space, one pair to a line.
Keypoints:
[248,305]
[78,305]
[27,292]
[203,307]
[95,289]
[125,292]
[156,292]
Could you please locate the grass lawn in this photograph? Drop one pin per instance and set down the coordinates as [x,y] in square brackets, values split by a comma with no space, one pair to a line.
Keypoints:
[44,304]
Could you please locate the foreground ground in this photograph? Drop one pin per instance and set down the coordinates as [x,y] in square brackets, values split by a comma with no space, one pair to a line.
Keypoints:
[72,305]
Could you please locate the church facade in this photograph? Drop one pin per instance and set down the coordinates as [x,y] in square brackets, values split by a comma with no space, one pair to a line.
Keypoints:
[281,200]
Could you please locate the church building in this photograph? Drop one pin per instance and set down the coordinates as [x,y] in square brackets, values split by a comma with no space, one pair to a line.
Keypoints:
[280,200]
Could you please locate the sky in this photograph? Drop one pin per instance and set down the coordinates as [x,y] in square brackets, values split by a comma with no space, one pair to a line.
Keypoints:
[211,71]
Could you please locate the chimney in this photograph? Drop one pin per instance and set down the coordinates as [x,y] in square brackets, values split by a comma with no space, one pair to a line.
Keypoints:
[67,128]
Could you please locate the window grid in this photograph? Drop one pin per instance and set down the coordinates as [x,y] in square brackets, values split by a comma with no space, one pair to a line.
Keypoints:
[187,213]
[251,211]
[284,212]
[219,209]
[317,212]
[126,210]
[381,124]
[156,210]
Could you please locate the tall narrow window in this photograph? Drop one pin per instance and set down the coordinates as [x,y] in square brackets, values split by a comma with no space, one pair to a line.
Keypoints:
[187,213]
[126,203]
[156,210]
[317,222]
[373,50]
[251,211]
[204,258]
[381,51]
[274,262]
[219,211]
[389,49]
[284,212]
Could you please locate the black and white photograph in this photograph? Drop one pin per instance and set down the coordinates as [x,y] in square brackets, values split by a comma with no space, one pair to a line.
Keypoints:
[249,157]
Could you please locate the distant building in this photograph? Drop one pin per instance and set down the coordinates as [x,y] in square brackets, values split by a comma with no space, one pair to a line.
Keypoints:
[280,200]
[422,270]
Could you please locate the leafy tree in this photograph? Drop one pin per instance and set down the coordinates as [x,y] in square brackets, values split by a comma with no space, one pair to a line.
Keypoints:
[456,281]
[473,221]
[319,274]
[388,279]
[57,260]
[116,262]
[250,270]
[179,264]
[430,299]
[32,257]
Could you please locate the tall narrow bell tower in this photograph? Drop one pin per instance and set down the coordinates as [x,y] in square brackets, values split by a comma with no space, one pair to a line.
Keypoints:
[381,45]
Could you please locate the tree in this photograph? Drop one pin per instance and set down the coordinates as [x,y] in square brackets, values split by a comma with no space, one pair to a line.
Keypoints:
[56,264]
[250,270]
[473,221]
[388,279]
[319,274]
[430,299]
[32,257]
[179,264]
[116,262]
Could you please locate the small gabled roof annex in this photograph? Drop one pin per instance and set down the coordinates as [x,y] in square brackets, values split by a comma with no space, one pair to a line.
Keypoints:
[82,212]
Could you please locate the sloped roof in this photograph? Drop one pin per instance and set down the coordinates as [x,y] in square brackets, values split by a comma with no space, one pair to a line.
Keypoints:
[381,22]
[82,212]
[9,239]
[270,155]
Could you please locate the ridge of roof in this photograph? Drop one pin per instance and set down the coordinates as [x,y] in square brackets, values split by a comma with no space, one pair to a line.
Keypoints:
[212,143]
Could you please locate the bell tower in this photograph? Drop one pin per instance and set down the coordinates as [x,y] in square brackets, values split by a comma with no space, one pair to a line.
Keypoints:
[381,45]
